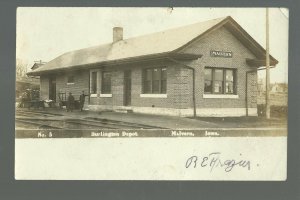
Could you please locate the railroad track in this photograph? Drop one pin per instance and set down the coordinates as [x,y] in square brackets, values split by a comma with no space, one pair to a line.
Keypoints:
[29,113]
[40,120]
[37,125]
[124,124]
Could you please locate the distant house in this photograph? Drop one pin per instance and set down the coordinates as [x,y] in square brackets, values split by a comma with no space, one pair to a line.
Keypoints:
[204,69]
[37,64]
[279,88]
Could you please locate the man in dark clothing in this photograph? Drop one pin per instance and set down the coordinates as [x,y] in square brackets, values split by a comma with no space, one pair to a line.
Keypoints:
[71,102]
[82,100]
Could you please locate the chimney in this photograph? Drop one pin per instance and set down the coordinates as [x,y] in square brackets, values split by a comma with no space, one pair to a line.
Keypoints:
[117,34]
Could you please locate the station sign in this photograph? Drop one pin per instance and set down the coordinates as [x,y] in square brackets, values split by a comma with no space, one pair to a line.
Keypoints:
[224,54]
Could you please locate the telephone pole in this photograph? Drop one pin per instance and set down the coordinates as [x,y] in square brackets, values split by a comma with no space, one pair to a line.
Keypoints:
[267,67]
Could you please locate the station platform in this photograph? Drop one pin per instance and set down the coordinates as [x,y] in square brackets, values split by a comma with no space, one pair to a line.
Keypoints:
[169,122]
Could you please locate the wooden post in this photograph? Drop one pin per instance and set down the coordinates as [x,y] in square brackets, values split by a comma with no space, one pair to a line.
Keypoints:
[267,67]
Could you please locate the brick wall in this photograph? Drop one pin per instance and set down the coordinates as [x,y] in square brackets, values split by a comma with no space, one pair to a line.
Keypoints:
[222,39]
[178,86]
[81,83]
[81,78]
[117,78]
[179,79]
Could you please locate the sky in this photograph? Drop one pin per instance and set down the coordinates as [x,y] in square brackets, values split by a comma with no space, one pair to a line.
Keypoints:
[45,33]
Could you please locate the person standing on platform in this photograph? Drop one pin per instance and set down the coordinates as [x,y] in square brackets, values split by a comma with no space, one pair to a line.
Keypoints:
[82,100]
[71,102]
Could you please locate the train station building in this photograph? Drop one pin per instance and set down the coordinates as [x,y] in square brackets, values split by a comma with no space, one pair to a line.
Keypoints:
[204,69]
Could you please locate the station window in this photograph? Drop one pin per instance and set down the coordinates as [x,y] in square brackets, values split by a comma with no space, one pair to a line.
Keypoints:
[106,83]
[219,81]
[94,83]
[155,80]
[70,80]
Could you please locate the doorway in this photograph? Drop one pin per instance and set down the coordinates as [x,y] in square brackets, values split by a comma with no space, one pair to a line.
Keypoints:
[52,88]
[127,88]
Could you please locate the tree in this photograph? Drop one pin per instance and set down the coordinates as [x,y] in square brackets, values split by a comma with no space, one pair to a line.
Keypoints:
[21,67]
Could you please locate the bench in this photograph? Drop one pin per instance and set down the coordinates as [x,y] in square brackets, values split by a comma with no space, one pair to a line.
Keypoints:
[63,101]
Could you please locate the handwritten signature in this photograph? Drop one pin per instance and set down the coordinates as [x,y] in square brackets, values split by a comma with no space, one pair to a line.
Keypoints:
[214,160]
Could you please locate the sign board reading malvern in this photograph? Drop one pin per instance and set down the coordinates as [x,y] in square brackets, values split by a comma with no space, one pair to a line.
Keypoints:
[224,54]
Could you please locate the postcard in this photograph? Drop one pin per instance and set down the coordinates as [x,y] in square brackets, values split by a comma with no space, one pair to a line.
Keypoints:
[151,93]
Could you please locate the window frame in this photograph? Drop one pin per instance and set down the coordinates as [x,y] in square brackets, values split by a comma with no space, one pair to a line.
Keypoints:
[160,80]
[224,69]
[94,84]
[233,81]
[103,86]
[70,82]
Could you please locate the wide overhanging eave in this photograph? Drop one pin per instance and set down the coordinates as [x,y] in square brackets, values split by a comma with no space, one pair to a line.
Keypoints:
[179,56]
[260,62]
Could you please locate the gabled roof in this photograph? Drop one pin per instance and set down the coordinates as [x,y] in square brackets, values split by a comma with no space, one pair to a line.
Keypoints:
[147,46]
[36,65]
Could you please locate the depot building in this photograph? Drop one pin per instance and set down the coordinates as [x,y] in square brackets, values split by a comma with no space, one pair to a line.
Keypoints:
[204,69]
